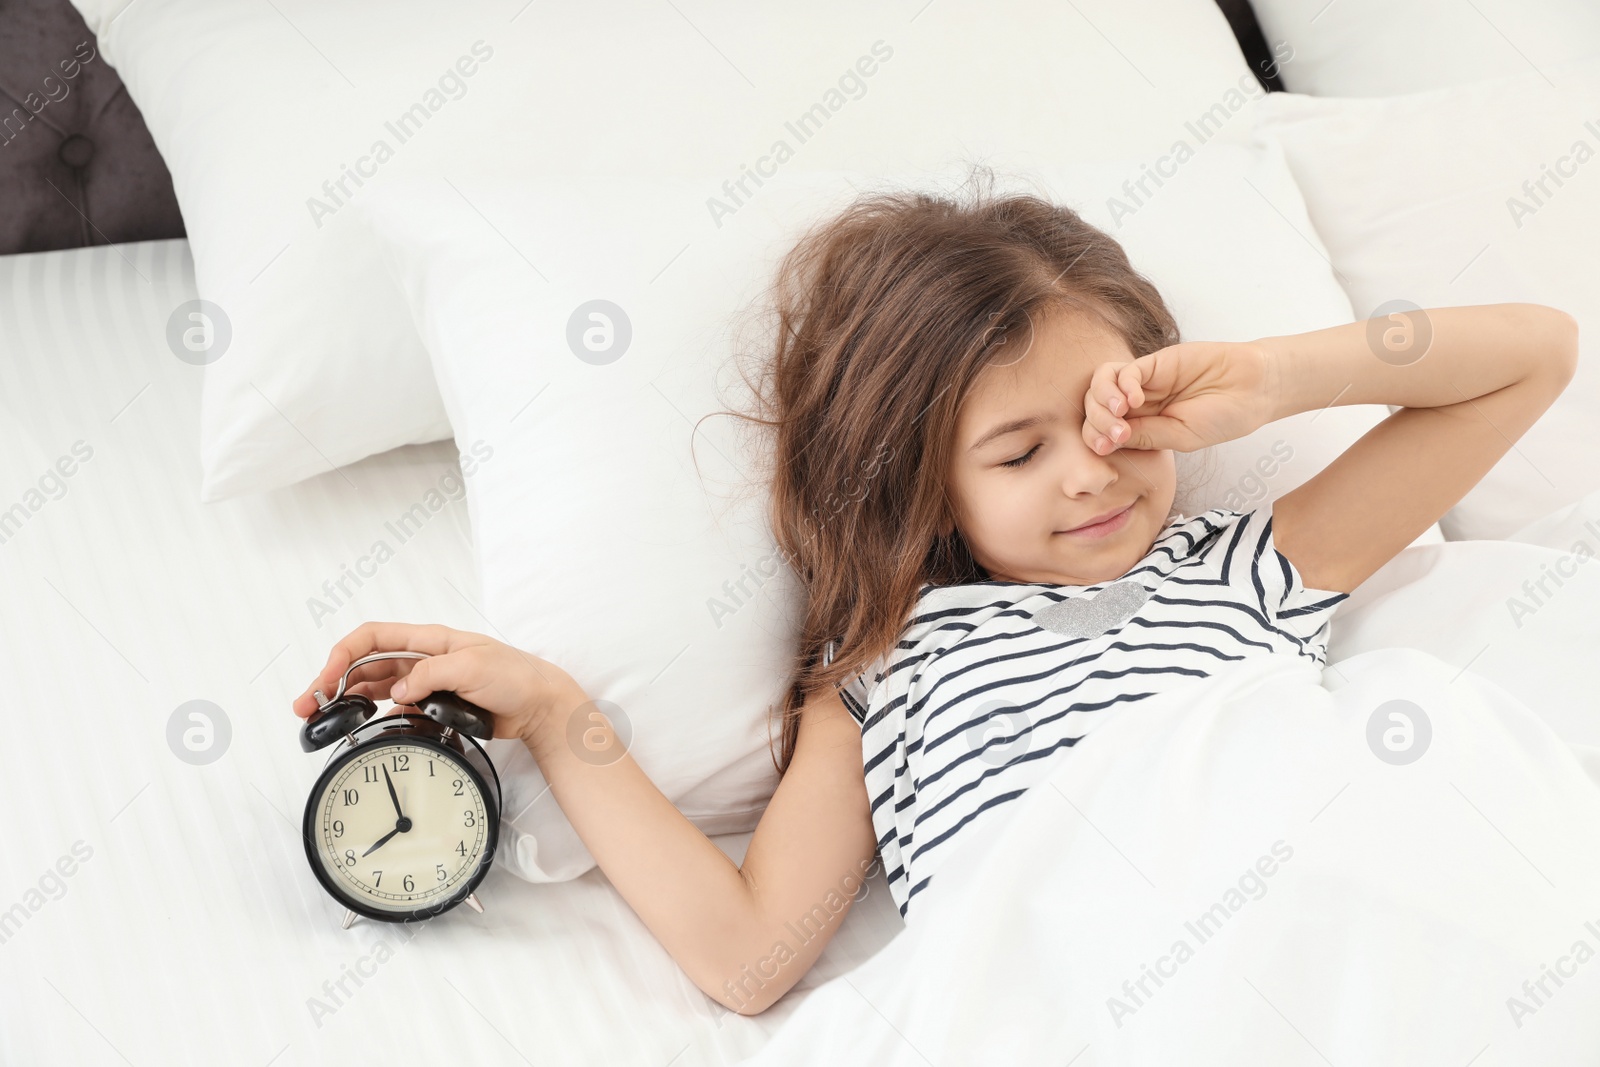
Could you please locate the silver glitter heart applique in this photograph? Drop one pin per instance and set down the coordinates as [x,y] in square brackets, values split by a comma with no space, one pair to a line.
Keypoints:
[1091,616]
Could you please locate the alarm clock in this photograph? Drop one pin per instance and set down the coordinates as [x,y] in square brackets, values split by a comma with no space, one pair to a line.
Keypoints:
[403,821]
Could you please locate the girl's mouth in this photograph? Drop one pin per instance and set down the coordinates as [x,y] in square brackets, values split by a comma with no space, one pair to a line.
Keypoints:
[1102,529]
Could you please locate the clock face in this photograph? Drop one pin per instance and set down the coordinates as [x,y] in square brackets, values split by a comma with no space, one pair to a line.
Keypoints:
[400,827]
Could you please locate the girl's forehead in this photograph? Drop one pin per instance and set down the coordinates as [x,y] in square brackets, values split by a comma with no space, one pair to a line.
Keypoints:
[1061,352]
[1059,333]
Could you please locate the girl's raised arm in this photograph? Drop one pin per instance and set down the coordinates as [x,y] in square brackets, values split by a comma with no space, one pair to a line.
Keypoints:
[1469,382]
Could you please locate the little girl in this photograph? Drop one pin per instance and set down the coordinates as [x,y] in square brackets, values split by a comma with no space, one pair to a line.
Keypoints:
[975,404]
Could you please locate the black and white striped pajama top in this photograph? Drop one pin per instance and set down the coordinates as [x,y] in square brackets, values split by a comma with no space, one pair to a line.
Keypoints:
[990,679]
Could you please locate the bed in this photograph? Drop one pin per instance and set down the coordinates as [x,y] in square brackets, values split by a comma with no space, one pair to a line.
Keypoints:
[205,941]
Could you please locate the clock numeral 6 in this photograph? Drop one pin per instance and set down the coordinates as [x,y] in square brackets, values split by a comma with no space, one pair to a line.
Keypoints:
[407,884]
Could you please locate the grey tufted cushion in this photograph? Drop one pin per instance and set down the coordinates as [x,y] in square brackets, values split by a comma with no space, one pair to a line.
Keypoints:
[77,166]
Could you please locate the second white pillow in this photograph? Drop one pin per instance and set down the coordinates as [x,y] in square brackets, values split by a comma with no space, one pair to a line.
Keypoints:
[1478,194]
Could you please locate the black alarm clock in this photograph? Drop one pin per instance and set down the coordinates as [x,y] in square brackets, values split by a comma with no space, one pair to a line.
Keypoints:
[403,822]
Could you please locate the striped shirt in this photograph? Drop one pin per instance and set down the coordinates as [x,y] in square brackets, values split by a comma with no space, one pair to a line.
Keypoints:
[991,678]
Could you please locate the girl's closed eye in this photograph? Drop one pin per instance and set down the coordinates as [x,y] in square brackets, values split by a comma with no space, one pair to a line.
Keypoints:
[1020,460]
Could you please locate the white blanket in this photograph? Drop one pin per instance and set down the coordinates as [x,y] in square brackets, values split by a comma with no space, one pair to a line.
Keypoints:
[1247,870]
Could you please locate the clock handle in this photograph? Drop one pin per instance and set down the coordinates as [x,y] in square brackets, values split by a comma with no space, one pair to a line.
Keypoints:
[363,661]
[458,714]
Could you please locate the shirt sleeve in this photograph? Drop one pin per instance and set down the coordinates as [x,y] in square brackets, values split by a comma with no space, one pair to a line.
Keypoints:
[1285,599]
[853,692]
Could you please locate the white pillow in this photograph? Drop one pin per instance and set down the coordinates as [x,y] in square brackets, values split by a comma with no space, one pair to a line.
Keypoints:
[1421,198]
[256,106]
[1382,47]
[602,549]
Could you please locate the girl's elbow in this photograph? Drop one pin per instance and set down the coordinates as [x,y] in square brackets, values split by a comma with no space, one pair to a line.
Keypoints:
[1564,320]
[1557,342]
[752,1008]
[1566,347]
[1569,327]
[742,995]
[754,987]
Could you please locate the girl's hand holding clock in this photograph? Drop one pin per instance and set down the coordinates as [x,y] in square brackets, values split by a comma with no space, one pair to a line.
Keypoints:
[516,687]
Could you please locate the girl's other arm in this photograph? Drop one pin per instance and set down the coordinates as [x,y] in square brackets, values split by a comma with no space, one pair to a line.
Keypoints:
[1485,376]
[745,934]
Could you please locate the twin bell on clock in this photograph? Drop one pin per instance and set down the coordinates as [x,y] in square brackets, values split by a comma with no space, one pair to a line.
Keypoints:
[402,823]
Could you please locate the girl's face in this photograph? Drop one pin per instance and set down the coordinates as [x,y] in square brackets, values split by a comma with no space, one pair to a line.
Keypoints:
[1018,521]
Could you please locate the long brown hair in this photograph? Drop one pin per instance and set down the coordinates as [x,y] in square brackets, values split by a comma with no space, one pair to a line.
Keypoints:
[884,317]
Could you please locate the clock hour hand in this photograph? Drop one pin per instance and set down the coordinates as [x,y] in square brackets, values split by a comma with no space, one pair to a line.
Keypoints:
[392,796]
[380,841]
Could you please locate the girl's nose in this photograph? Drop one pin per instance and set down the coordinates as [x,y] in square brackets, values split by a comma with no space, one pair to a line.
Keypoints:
[1088,473]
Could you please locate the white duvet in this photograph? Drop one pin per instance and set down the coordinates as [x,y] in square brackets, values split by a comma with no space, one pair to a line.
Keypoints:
[1395,860]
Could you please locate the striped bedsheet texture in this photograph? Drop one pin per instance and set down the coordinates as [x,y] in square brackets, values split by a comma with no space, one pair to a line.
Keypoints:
[159,912]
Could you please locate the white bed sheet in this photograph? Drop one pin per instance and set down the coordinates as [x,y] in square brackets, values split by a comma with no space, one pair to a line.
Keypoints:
[194,933]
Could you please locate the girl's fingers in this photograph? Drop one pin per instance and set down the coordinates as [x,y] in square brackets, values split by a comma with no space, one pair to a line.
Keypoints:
[454,672]
[304,705]
[1095,420]
[375,689]
[1143,432]
[1101,432]
[1103,386]
[1104,430]
[1128,382]
[431,640]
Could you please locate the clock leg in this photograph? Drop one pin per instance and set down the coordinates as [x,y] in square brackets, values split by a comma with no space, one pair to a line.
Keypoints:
[472,902]
[349,917]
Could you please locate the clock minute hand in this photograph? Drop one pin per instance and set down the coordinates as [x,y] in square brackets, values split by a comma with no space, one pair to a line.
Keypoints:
[392,796]
[379,842]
